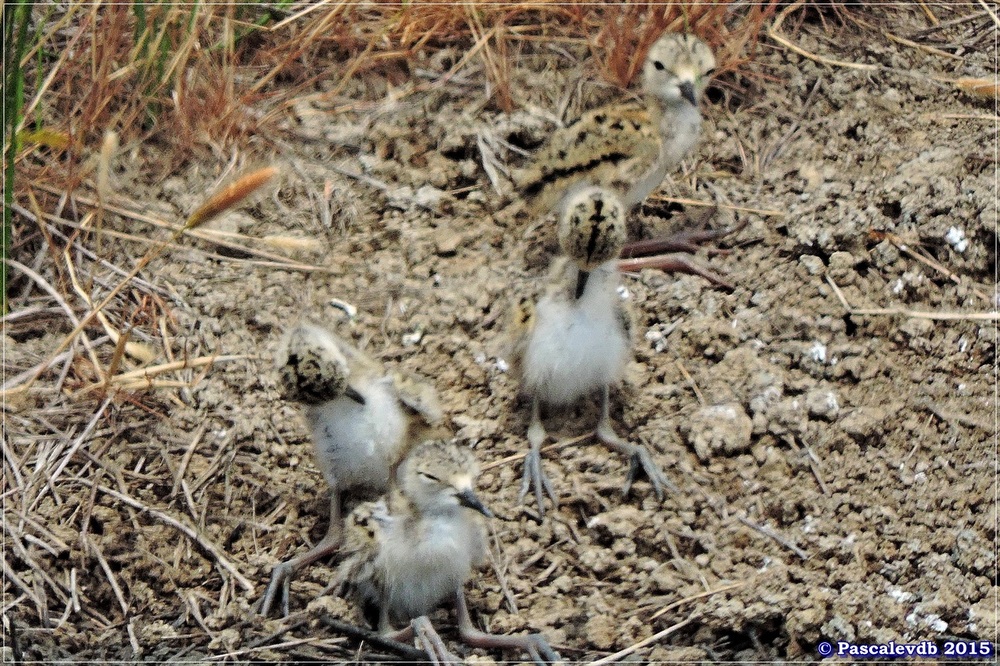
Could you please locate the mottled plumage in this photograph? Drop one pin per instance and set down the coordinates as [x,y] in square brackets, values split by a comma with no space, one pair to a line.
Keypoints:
[577,338]
[415,549]
[408,553]
[363,421]
[629,147]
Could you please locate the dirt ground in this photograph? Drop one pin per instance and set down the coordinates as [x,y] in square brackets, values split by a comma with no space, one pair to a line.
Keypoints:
[835,472]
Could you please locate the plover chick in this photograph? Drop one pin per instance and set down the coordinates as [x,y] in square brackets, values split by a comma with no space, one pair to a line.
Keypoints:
[628,147]
[363,421]
[577,338]
[416,548]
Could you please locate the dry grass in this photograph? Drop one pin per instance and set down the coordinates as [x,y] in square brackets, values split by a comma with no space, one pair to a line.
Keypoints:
[205,84]
[382,35]
[208,82]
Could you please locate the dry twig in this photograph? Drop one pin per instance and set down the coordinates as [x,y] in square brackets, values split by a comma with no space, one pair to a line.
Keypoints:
[773,33]
[771,534]
[188,531]
[658,636]
[989,10]
[701,595]
[916,314]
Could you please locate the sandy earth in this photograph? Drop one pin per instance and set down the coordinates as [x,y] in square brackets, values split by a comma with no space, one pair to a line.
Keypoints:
[835,472]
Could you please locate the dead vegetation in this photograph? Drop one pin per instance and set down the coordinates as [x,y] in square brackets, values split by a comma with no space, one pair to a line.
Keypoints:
[93,352]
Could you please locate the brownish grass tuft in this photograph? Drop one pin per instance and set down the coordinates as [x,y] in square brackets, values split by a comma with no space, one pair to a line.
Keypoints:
[230,195]
[175,74]
[206,77]
[376,34]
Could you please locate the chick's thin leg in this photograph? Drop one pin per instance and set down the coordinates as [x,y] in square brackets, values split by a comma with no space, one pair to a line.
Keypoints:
[534,475]
[666,253]
[534,644]
[423,635]
[281,577]
[639,459]
[674,263]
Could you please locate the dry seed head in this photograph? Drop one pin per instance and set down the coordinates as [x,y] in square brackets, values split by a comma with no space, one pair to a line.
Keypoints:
[985,88]
[293,244]
[108,149]
[230,195]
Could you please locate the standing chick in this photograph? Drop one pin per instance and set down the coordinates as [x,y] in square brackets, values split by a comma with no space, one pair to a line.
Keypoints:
[412,551]
[628,147]
[577,339]
[363,421]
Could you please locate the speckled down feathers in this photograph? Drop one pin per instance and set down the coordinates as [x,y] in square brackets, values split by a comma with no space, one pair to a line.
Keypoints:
[358,438]
[573,342]
[592,227]
[627,147]
[407,553]
[608,146]
[312,367]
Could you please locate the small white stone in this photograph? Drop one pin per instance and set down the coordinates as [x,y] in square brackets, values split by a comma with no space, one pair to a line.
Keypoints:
[936,623]
[809,524]
[956,238]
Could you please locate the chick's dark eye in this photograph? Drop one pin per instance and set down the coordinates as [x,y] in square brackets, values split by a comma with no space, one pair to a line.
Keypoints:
[430,477]
[709,72]
[659,65]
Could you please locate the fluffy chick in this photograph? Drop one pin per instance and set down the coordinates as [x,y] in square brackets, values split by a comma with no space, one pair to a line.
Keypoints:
[628,147]
[577,339]
[363,421]
[410,552]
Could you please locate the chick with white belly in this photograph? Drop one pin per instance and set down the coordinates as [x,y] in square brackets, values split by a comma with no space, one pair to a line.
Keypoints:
[363,420]
[416,548]
[577,338]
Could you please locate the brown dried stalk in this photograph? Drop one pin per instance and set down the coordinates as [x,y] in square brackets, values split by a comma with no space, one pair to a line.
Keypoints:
[230,195]
[985,88]
[906,312]
[226,198]
[190,532]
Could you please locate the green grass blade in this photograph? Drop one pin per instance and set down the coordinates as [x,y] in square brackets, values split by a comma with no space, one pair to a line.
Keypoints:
[15,20]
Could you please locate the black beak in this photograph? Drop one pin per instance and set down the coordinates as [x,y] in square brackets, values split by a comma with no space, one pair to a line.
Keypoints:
[581,283]
[354,395]
[469,499]
[687,92]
